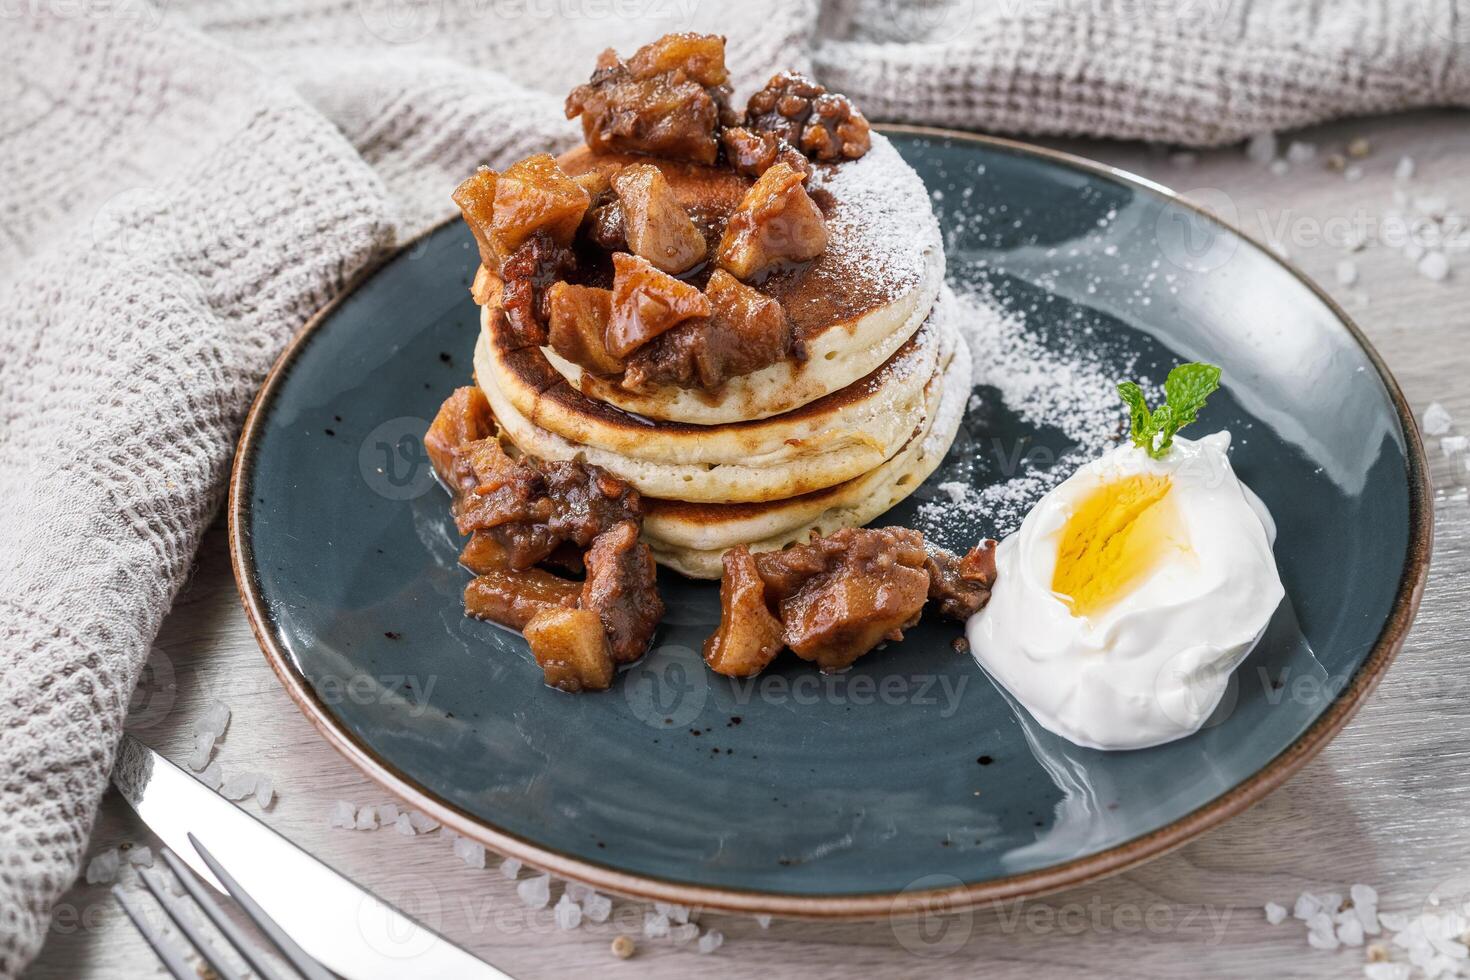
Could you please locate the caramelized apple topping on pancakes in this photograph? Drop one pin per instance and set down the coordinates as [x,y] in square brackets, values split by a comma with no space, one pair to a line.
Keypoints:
[610,270]
[522,515]
[653,258]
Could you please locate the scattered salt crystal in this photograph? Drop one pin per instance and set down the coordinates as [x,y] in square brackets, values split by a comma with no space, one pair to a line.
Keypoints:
[535,892]
[387,813]
[1347,272]
[212,776]
[675,913]
[1386,971]
[215,720]
[265,792]
[1320,932]
[471,853]
[568,913]
[102,869]
[422,822]
[1454,444]
[238,785]
[710,941]
[1405,169]
[1261,148]
[141,857]
[1307,905]
[201,750]
[684,933]
[1365,907]
[1350,932]
[1279,248]
[578,891]
[1352,172]
[510,869]
[344,814]
[1301,152]
[1275,914]
[1280,168]
[404,826]
[1394,921]
[1434,266]
[1436,420]
[655,925]
[764,921]
[597,907]
[1331,902]
[1184,159]
[367,818]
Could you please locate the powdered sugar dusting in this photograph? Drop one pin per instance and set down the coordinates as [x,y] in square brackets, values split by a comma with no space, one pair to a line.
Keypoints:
[1064,385]
[882,229]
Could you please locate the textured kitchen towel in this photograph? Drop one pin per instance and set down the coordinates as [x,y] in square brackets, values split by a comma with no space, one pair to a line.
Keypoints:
[184,184]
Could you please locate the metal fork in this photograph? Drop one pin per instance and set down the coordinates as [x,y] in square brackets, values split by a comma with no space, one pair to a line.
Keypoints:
[173,907]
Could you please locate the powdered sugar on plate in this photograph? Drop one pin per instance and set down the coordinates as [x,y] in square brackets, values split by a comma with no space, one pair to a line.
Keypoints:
[1064,385]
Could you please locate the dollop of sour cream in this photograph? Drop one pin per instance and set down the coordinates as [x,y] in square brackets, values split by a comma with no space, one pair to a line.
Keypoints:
[1128,595]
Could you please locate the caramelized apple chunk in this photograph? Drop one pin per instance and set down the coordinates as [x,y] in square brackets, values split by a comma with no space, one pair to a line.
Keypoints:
[655,224]
[777,221]
[621,589]
[572,649]
[825,125]
[667,100]
[745,331]
[871,587]
[646,303]
[513,598]
[752,153]
[579,317]
[476,199]
[961,585]
[464,417]
[534,195]
[748,637]
[527,274]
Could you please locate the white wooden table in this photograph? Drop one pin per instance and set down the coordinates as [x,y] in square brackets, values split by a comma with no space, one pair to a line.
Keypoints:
[1388,803]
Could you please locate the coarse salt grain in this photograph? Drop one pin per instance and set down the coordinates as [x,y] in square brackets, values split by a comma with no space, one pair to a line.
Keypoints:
[655,925]
[265,792]
[1405,168]
[1350,931]
[1434,266]
[141,857]
[675,913]
[1436,420]
[578,891]
[471,853]
[422,822]
[238,785]
[212,776]
[1275,914]
[1347,272]
[535,892]
[683,933]
[1261,148]
[367,818]
[344,814]
[597,907]
[1301,152]
[1386,971]
[710,942]
[387,813]
[102,869]
[404,826]
[1307,905]
[568,913]
[764,921]
[510,869]
[1280,168]
[1454,444]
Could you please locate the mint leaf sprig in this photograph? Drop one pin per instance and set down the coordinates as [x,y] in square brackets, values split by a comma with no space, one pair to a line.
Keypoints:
[1185,391]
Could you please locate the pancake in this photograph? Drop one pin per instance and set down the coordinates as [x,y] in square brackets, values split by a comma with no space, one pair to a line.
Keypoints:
[854,305]
[795,470]
[870,417]
[692,538]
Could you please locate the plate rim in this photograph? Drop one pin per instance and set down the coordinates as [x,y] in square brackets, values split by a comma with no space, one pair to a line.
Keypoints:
[1030,884]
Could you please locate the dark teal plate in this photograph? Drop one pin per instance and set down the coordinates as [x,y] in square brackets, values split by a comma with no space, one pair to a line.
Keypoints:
[910,779]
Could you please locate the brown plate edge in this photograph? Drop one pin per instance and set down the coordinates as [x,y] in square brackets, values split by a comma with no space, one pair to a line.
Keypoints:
[868,906]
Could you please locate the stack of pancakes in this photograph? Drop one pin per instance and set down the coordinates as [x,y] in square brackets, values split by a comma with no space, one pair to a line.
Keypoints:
[832,441]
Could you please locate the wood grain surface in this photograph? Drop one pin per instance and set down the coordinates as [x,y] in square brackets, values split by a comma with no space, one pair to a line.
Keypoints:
[1387,803]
